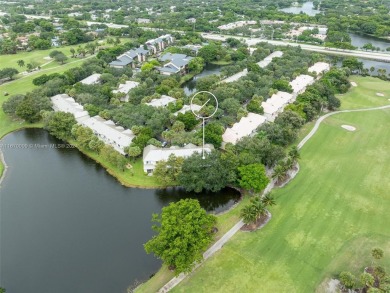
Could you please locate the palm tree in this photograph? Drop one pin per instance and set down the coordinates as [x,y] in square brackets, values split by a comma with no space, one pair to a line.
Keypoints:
[258,206]
[268,200]
[288,164]
[294,154]
[279,173]
[248,215]
[29,66]
[21,63]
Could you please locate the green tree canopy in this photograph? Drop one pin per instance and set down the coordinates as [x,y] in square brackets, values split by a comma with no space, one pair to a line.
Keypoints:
[183,233]
[8,72]
[253,177]
[212,173]
[59,124]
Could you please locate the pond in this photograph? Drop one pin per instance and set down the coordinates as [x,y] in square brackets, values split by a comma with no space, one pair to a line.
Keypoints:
[371,63]
[209,69]
[307,7]
[358,40]
[66,225]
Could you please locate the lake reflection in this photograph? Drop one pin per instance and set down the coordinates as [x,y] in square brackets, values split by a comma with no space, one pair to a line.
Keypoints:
[66,225]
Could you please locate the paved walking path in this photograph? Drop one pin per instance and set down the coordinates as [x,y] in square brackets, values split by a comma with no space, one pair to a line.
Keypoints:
[322,118]
[218,245]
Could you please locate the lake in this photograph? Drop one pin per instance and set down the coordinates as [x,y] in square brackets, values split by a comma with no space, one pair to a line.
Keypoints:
[66,225]
[307,7]
[358,40]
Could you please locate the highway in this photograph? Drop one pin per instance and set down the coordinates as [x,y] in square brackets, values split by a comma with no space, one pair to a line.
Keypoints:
[377,56]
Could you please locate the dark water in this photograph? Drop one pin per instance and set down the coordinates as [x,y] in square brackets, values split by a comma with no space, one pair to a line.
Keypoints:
[376,64]
[209,69]
[360,40]
[68,226]
[307,8]
[370,63]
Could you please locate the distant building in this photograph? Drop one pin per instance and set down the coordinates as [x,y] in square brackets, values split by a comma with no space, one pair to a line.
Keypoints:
[106,130]
[143,20]
[125,88]
[75,14]
[163,101]
[177,63]
[92,79]
[300,83]
[247,126]
[267,60]
[64,103]
[159,44]
[152,155]
[319,68]
[187,108]
[194,48]
[55,42]
[130,57]
[270,111]
[237,24]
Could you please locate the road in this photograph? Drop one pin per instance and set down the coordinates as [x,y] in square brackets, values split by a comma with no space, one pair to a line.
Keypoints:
[377,56]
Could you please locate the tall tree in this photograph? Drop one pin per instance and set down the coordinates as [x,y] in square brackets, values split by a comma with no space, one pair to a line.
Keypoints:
[59,124]
[134,151]
[8,72]
[167,172]
[253,177]
[60,57]
[183,232]
[211,173]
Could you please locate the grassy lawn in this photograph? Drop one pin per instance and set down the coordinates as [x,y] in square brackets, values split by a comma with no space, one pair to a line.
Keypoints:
[326,220]
[38,56]
[364,94]
[23,85]
[130,178]
[222,62]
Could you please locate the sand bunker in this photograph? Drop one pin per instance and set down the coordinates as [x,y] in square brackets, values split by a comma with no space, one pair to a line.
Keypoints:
[47,58]
[380,94]
[348,127]
[353,83]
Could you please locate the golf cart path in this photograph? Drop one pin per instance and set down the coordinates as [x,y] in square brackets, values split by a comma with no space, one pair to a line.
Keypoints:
[322,118]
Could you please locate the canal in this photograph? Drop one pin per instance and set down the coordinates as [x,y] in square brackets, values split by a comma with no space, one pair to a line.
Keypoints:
[66,225]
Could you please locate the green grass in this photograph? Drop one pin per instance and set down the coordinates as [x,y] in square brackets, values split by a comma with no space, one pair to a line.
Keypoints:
[222,62]
[131,178]
[364,94]
[326,220]
[10,60]
[24,84]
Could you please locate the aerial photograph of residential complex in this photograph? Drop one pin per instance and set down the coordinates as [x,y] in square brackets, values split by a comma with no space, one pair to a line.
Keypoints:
[195,146]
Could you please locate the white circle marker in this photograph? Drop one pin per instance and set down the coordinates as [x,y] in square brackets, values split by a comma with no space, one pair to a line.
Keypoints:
[196,112]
